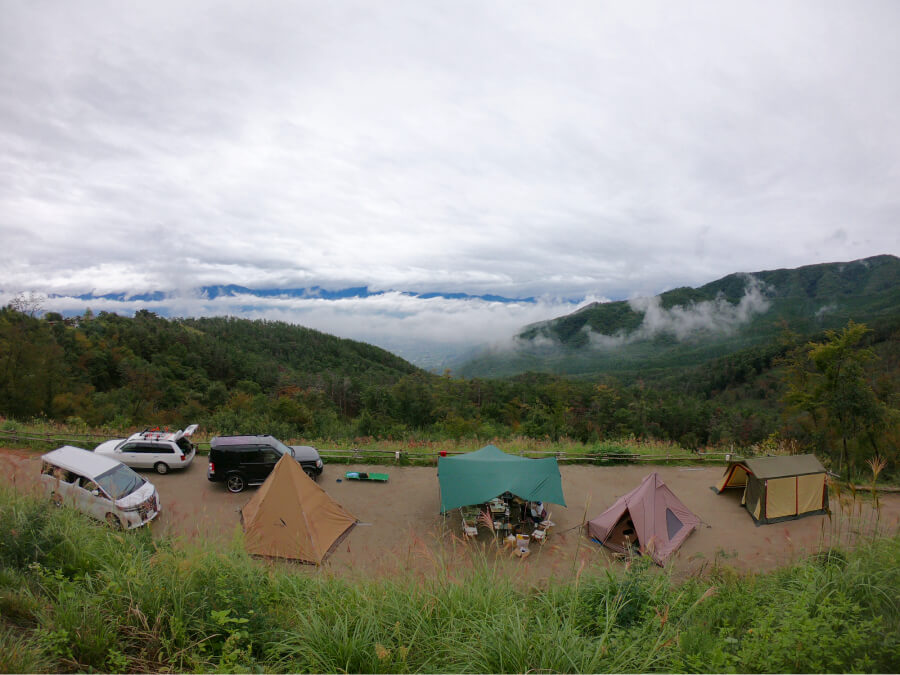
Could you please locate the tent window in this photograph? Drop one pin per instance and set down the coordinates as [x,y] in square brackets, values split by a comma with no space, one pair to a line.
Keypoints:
[673,525]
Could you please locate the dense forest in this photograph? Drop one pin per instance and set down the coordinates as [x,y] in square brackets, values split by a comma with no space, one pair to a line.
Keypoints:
[836,393]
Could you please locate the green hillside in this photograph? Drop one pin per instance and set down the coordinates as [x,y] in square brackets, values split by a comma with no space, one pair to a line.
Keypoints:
[690,326]
[110,369]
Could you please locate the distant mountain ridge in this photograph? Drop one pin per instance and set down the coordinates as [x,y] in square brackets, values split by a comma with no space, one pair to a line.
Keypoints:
[313,292]
[688,326]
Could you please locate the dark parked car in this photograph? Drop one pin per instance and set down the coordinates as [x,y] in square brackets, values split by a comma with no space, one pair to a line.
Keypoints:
[240,461]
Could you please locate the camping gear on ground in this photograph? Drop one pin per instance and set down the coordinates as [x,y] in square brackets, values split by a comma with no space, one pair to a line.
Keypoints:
[362,475]
[291,517]
[650,519]
[522,550]
[480,476]
[778,488]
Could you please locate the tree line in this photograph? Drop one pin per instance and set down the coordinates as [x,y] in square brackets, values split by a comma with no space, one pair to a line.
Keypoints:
[837,396]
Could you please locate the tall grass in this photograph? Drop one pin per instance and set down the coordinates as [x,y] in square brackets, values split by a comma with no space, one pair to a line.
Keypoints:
[75,596]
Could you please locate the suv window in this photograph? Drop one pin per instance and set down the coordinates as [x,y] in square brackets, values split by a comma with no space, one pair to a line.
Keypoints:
[246,454]
[268,454]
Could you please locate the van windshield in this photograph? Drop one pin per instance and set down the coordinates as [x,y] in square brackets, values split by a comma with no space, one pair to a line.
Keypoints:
[119,481]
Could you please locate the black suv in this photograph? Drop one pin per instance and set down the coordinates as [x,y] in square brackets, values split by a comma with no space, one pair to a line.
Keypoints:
[248,460]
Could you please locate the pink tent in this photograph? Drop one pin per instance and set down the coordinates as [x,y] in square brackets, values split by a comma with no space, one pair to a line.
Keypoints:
[650,518]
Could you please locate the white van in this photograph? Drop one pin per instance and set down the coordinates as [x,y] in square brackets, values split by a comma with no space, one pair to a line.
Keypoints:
[99,486]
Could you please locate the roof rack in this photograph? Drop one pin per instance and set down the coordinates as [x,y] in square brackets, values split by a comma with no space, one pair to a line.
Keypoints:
[154,434]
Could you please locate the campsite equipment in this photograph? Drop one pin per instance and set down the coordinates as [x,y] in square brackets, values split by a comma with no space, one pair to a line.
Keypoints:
[650,519]
[480,476]
[778,488]
[292,517]
[362,475]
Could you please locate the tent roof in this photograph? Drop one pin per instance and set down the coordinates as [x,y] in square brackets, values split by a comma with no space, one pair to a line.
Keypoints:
[292,517]
[778,467]
[647,505]
[477,477]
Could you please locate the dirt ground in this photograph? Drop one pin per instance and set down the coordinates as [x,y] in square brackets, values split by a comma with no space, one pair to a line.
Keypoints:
[402,532]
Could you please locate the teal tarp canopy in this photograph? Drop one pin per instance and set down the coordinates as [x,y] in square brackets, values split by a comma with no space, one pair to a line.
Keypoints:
[478,477]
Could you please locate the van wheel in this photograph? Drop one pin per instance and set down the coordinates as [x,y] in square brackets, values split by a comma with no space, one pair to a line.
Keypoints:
[310,472]
[161,468]
[56,499]
[235,483]
[113,521]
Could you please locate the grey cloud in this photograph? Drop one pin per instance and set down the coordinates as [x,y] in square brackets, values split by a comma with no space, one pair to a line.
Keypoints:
[482,148]
[390,320]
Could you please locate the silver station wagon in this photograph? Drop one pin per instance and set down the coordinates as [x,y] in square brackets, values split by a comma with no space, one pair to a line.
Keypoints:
[153,449]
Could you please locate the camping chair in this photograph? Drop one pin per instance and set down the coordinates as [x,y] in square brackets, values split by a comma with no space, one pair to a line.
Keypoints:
[469,531]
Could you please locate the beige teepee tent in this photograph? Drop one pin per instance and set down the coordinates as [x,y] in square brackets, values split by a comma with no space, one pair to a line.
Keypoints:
[292,517]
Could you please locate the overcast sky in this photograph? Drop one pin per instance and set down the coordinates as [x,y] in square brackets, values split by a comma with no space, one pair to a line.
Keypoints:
[599,150]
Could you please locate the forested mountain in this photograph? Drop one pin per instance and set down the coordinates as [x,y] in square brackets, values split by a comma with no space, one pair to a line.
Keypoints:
[691,326]
[109,369]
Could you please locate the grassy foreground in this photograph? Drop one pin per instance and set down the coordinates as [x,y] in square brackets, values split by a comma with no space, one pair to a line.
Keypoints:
[75,596]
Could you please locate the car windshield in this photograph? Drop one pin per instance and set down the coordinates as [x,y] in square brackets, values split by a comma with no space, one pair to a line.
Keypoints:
[119,481]
[282,448]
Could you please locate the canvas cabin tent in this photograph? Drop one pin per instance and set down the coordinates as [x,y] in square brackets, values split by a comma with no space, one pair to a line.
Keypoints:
[778,488]
[291,517]
[477,477]
[650,519]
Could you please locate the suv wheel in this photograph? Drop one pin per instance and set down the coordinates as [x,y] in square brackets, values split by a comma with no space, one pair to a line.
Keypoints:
[235,483]
[113,521]
[161,468]
[310,472]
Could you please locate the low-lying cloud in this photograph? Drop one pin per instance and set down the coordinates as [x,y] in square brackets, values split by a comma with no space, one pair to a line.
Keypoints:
[426,331]
[710,317]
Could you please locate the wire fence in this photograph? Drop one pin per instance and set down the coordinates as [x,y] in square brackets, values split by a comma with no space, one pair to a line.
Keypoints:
[379,456]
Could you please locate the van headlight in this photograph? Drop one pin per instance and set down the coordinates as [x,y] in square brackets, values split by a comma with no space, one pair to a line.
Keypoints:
[319,463]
